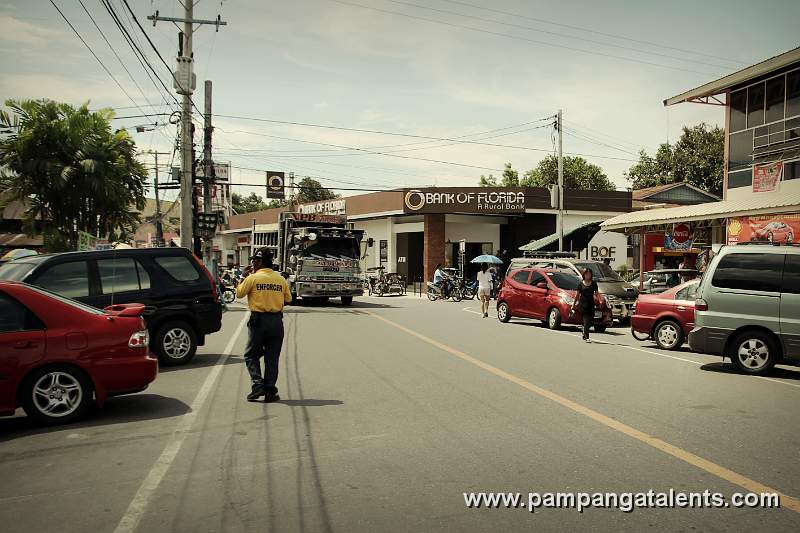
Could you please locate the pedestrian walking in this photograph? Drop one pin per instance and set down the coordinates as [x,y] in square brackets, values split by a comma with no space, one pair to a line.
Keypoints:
[267,292]
[584,302]
[484,288]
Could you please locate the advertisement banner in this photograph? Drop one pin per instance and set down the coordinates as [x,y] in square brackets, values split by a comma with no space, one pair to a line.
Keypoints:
[782,229]
[681,238]
[766,177]
[276,185]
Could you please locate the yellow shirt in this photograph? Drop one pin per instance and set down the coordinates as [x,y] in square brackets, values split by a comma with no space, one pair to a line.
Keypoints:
[266,291]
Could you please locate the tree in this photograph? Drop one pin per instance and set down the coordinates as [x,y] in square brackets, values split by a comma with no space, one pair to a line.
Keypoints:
[697,158]
[578,174]
[509,178]
[310,190]
[247,204]
[72,171]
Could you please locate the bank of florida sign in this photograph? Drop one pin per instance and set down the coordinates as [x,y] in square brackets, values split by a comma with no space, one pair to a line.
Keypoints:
[464,200]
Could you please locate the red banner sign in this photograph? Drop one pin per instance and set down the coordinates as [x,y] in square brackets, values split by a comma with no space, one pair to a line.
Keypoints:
[767,177]
[783,229]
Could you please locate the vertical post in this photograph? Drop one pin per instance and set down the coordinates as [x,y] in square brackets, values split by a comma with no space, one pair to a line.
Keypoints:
[208,172]
[641,258]
[560,183]
[187,185]
[291,192]
[159,227]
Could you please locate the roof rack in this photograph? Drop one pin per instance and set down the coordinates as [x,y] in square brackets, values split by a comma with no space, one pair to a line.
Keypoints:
[549,255]
[766,243]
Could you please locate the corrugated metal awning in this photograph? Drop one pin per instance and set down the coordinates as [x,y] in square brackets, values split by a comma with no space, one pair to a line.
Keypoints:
[731,80]
[756,204]
[583,232]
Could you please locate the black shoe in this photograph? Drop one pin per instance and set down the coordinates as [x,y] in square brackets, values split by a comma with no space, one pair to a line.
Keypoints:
[255,394]
[270,398]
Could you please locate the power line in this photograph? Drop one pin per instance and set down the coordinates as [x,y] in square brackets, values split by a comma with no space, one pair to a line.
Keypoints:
[529,28]
[518,37]
[95,55]
[598,142]
[589,30]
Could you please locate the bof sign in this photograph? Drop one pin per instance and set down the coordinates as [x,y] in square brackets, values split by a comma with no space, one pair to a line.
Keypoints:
[767,177]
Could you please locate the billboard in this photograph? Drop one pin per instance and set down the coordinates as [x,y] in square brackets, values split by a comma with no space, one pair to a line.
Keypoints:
[781,229]
[475,200]
[276,187]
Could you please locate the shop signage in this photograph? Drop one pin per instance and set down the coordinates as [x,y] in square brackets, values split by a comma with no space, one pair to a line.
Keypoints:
[222,171]
[474,200]
[681,238]
[275,185]
[766,177]
[384,248]
[607,245]
[783,229]
[328,207]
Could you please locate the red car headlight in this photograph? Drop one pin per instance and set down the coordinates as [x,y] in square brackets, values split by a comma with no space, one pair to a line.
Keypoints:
[140,339]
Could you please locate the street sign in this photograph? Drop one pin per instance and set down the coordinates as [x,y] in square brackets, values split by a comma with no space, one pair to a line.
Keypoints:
[276,184]
[222,171]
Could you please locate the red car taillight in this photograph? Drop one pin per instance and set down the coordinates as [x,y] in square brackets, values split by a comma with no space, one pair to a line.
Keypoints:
[700,305]
[210,278]
[139,339]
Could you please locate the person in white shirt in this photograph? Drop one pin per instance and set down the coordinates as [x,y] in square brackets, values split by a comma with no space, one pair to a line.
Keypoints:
[484,288]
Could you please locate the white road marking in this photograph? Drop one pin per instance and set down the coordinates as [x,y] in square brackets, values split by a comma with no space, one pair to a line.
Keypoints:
[138,506]
[659,354]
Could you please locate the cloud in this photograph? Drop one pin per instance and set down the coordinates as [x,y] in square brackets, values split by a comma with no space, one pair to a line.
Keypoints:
[19,32]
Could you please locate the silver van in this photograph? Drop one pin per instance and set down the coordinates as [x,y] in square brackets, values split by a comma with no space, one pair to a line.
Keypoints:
[748,307]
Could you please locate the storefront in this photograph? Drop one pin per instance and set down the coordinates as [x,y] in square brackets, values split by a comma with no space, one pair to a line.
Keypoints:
[414,230]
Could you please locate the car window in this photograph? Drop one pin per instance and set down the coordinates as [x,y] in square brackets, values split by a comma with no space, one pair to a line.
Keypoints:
[16,317]
[68,279]
[791,275]
[520,276]
[73,303]
[15,270]
[180,268]
[754,272]
[687,293]
[600,271]
[536,277]
[121,274]
[563,280]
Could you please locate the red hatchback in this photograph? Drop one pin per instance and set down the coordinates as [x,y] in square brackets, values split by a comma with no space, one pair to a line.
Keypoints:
[56,353]
[667,317]
[547,295]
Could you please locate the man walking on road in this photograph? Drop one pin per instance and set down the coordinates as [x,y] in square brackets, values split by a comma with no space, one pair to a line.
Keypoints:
[267,292]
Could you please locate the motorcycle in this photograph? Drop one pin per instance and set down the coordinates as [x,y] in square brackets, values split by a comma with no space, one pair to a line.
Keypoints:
[227,292]
[469,289]
[435,292]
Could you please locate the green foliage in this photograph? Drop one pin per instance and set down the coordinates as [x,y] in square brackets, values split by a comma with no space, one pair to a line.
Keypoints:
[578,174]
[250,203]
[697,158]
[310,190]
[73,171]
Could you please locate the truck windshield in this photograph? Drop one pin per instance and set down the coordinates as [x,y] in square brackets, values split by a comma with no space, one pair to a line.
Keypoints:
[600,271]
[331,248]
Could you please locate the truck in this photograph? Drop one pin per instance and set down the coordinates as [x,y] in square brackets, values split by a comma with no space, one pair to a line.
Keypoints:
[319,255]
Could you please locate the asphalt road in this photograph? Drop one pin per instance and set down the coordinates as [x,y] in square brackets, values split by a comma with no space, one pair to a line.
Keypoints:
[394,408]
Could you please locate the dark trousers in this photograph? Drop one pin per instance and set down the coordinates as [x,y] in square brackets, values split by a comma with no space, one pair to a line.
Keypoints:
[264,339]
[588,319]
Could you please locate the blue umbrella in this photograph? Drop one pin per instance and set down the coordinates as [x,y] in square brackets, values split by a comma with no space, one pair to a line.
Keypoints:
[486,258]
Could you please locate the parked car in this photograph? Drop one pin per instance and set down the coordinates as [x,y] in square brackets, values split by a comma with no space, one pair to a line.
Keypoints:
[182,302]
[748,307]
[656,281]
[620,294]
[547,295]
[776,231]
[58,355]
[666,317]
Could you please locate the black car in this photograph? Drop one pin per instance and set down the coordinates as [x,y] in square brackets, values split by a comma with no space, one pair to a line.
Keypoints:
[181,299]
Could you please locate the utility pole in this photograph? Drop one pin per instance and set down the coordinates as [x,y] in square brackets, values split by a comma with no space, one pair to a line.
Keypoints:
[159,227]
[291,191]
[184,84]
[208,172]
[560,182]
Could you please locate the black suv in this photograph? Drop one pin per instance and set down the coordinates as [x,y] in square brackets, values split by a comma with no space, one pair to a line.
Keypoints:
[181,299]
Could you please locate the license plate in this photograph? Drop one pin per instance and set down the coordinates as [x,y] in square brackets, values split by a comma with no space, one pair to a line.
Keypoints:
[598,314]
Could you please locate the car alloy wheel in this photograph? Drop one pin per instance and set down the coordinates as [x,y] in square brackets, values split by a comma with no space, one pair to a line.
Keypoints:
[503,312]
[176,343]
[553,318]
[57,394]
[668,335]
[753,354]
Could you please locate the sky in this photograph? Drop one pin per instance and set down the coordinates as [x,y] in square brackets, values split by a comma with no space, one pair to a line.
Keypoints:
[433,68]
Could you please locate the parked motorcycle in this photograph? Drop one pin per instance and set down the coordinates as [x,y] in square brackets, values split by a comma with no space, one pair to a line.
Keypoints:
[469,288]
[435,292]
[228,293]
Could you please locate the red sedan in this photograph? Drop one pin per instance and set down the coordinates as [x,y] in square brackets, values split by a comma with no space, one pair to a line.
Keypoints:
[667,317]
[547,295]
[56,354]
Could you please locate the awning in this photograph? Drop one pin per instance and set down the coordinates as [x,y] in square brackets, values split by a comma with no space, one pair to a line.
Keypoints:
[741,76]
[575,239]
[19,240]
[755,204]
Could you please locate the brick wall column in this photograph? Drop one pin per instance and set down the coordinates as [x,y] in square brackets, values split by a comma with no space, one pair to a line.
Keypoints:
[434,244]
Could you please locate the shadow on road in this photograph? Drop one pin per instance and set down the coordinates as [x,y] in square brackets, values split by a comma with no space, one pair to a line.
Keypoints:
[310,402]
[201,361]
[118,410]
[728,368]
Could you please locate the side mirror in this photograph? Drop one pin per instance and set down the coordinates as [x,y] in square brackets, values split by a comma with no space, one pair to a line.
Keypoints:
[542,285]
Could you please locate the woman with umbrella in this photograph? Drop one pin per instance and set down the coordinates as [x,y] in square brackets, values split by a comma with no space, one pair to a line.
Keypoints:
[485,281]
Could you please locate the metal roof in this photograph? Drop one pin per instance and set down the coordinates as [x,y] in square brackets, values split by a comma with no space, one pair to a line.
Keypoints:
[550,239]
[731,80]
[755,204]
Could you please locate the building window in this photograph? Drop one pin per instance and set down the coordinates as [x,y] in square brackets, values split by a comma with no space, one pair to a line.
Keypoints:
[740,150]
[738,110]
[743,178]
[775,98]
[791,171]
[793,94]
[755,105]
